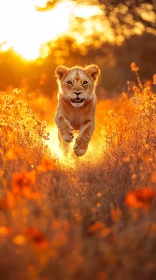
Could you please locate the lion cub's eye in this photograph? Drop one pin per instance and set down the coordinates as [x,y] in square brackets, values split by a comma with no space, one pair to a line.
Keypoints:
[85,83]
[69,83]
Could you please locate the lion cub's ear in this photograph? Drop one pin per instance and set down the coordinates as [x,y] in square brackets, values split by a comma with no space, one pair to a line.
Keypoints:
[61,71]
[93,71]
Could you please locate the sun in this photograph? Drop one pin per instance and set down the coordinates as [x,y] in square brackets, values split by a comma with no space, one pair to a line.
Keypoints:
[27,30]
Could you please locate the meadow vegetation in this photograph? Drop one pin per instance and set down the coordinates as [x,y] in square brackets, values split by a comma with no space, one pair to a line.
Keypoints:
[79,218]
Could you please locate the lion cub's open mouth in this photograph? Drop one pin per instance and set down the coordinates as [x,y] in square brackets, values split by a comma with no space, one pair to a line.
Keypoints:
[77,100]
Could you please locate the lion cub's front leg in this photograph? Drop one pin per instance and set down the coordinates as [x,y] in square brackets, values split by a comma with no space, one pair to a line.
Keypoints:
[65,129]
[83,139]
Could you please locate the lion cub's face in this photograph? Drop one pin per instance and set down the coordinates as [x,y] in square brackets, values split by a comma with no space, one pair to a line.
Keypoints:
[77,84]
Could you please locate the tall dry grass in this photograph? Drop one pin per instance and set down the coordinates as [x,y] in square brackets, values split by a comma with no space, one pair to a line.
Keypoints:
[73,218]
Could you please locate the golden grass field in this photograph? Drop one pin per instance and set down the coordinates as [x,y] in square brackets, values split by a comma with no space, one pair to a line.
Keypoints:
[70,218]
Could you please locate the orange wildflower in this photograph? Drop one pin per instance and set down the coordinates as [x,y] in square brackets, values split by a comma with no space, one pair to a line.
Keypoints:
[98,226]
[36,237]
[22,182]
[19,239]
[5,231]
[140,198]
[134,67]
[99,194]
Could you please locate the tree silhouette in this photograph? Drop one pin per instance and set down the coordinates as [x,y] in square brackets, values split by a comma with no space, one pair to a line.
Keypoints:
[126,18]
[130,14]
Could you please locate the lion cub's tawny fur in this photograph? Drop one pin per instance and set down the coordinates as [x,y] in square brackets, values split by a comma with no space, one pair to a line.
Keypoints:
[76,104]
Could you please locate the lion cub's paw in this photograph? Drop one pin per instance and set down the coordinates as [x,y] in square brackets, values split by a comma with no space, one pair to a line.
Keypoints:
[80,147]
[67,134]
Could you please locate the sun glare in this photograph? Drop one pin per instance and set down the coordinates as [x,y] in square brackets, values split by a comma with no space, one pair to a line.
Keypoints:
[26,30]
[69,160]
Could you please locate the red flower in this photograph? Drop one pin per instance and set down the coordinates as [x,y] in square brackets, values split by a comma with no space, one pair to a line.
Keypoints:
[140,198]
[36,237]
[22,182]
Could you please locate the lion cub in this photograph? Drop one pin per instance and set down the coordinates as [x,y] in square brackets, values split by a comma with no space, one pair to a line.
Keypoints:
[76,104]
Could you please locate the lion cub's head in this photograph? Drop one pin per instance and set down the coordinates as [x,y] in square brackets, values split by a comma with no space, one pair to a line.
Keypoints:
[77,84]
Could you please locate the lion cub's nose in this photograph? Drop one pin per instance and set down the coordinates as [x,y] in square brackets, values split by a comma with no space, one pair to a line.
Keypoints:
[78,93]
